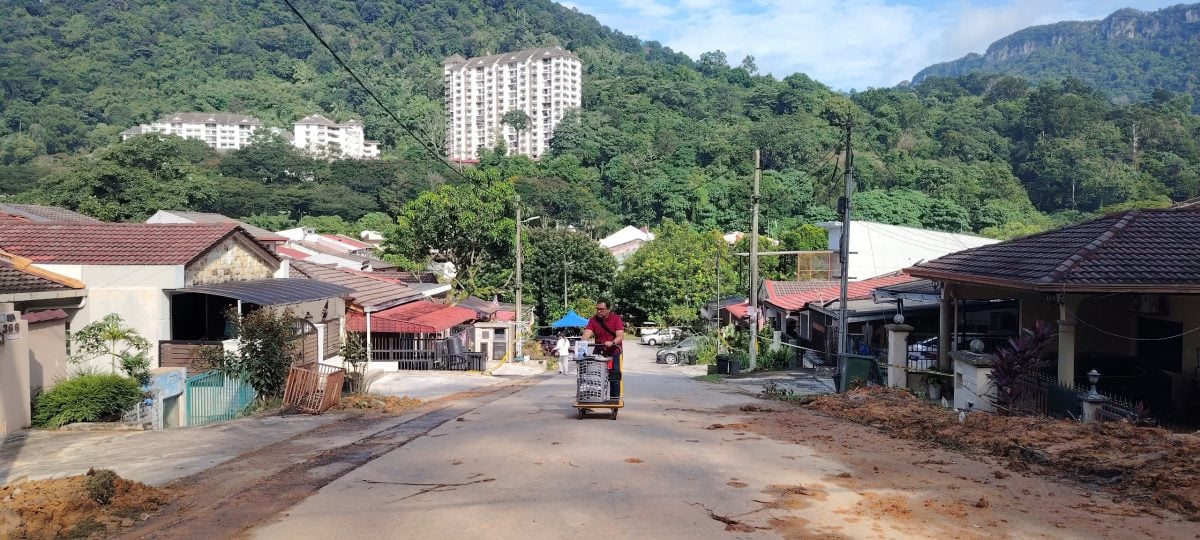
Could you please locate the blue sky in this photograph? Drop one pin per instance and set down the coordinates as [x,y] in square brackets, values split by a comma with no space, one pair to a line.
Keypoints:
[845,44]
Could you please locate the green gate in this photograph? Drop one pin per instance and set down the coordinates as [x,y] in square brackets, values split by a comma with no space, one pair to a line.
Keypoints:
[214,397]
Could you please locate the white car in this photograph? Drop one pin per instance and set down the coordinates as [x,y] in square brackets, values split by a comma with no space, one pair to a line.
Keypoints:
[665,336]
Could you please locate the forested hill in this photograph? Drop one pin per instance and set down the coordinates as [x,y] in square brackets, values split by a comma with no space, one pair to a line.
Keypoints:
[1127,55]
[661,136]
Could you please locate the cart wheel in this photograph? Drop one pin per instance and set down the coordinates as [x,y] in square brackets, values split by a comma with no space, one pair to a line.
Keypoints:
[582,413]
[614,414]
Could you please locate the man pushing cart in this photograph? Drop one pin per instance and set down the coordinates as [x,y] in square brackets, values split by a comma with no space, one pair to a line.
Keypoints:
[599,384]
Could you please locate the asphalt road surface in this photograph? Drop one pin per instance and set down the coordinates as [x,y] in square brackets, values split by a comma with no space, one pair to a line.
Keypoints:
[678,463]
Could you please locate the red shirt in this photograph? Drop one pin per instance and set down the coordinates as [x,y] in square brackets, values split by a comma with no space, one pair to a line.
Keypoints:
[613,322]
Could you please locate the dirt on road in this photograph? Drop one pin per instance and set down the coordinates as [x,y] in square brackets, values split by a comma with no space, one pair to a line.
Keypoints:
[230,499]
[76,506]
[932,473]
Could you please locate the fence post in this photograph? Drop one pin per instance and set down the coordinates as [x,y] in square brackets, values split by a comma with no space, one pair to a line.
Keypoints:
[1092,406]
[897,354]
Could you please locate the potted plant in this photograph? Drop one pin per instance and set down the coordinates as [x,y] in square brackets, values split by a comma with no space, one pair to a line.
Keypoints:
[933,381]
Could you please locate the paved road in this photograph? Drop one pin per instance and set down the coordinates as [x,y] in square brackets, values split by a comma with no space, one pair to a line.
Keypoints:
[683,460]
[531,469]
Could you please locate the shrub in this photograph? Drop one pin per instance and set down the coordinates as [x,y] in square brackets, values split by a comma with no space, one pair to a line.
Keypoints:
[268,348]
[101,485]
[86,398]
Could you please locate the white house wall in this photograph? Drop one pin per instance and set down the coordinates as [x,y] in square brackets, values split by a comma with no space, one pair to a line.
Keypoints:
[133,292]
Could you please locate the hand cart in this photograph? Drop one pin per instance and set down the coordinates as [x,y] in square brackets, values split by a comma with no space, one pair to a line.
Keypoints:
[594,384]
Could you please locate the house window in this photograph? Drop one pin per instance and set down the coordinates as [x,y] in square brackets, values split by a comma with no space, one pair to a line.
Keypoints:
[803,326]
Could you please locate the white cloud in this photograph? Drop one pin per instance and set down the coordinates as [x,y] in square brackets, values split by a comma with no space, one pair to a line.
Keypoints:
[847,44]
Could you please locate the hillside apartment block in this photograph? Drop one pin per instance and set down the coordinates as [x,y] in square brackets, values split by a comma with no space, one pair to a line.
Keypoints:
[543,82]
[315,134]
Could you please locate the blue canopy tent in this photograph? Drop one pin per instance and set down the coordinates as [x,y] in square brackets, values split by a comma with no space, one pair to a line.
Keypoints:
[570,320]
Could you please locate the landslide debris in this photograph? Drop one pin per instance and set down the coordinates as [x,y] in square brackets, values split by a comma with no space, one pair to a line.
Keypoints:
[83,506]
[1148,464]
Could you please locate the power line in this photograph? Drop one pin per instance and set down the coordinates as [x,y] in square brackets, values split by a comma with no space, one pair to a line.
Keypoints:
[432,152]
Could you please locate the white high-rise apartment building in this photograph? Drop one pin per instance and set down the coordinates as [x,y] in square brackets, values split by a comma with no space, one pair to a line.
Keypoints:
[323,137]
[222,131]
[544,82]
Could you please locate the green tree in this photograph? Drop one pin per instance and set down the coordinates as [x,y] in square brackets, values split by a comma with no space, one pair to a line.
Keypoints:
[518,120]
[678,268]
[469,224]
[132,180]
[267,348]
[122,345]
[559,258]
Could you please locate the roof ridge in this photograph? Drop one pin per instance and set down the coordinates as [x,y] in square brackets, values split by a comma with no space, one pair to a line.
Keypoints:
[1089,250]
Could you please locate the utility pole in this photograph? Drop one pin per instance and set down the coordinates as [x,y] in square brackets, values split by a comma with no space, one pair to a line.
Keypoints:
[520,317]
[754,315]
[844,248]
[717,305]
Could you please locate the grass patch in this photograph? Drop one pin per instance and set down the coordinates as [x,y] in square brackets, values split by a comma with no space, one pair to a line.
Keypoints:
[709,378]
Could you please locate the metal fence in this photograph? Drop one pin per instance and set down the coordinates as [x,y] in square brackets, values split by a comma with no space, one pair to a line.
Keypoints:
[922,349]
[423,352]
[214,397]
[313,388]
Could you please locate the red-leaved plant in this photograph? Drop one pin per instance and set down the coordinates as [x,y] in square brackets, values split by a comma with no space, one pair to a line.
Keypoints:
[1022,355]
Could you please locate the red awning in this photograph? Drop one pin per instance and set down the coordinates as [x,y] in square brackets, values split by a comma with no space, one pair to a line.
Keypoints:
[423,317]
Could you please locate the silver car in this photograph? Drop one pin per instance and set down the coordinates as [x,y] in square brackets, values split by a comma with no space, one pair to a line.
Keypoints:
[684,350]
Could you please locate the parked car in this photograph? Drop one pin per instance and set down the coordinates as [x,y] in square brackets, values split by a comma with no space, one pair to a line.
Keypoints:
[681,352]
[647,328]
[665,336]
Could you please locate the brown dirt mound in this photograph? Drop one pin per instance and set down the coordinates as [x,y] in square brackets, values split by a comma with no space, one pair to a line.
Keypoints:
[376,403]
[63,507]
[1152,465]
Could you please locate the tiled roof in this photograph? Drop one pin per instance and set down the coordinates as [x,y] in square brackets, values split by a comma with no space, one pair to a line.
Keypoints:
[113,243]
[356,244]
[18,275]
[479,305]
[316,119]
[291,253]
[1138,250]
[537,53]
[34,213]
[422,317]
[505,315]
[409,277]
[854,290]
[209,118]
[781,288]
[43,316]
[376,264]
[260,234]
[368,291]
